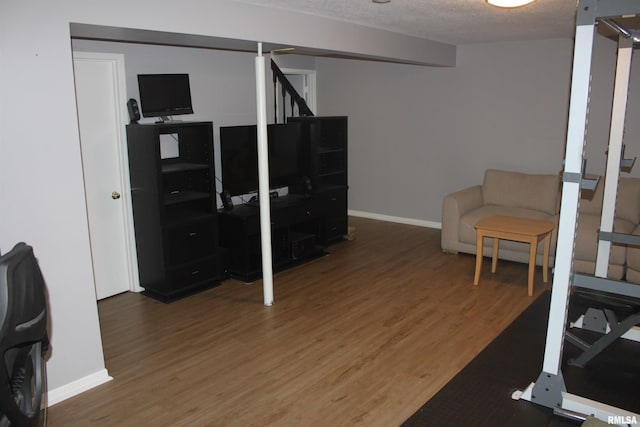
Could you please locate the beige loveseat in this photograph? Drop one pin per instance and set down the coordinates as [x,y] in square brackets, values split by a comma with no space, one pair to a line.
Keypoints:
[501,193]
[538,196]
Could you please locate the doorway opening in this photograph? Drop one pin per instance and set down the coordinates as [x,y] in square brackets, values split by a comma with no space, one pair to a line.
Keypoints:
[304,82]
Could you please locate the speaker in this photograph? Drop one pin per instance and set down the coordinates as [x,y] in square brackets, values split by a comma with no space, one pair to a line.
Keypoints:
[227,203]
[134,111]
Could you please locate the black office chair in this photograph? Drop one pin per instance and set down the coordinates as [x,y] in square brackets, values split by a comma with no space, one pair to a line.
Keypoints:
[23,337]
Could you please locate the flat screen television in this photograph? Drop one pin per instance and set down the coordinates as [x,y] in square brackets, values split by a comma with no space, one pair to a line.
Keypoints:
[239,157]
[164,95]
[284,164]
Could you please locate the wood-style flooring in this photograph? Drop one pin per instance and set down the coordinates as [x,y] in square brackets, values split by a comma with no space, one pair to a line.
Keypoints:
[363,336]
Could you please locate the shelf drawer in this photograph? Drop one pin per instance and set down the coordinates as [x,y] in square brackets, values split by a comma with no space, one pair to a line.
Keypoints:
[334,201]
[191,241]
[193,274]
[301,213]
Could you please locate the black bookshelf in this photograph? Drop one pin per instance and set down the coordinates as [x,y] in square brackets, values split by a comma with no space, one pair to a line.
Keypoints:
[174,207]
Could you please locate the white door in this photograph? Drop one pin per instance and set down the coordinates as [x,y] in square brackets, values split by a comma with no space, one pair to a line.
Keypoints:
[101,96]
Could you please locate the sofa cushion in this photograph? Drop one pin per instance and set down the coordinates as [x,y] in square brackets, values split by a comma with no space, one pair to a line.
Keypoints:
[633,276]
[519,190]
[628,200]
[586,247]
[615,272]
[591,201]
[633,254]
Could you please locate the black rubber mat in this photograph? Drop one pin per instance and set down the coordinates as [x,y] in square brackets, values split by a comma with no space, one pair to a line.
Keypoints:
[480,395]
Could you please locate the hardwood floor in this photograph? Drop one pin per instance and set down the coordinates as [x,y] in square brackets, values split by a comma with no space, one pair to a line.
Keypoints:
[362,336]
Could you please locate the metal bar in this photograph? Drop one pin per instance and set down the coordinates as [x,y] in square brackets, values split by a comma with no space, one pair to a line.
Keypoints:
[616,27]
[606,340]
[611,286]
[569,414]
[614,8]
[614,153]
[599,410]
[623,238]
[580,343]
[571,177]
[578,107]
[585,183]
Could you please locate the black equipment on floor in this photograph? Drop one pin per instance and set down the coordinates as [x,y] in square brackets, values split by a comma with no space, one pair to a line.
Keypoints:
[602,317]
[23,337]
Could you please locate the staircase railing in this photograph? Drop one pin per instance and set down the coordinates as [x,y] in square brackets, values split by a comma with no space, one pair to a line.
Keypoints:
[287,89]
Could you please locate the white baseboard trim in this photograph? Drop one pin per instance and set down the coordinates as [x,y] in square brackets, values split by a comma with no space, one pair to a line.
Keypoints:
[66,391]
[400,220]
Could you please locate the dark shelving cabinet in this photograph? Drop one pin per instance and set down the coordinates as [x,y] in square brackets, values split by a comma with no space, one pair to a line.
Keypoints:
[171,168]
[308,219]
[325,154]
[296,235]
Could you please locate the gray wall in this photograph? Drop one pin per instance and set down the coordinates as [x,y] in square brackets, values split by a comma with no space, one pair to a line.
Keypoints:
[419,133]
[416,133]
[222,83]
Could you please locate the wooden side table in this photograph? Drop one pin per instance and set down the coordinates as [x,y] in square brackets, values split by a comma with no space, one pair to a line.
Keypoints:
[519,229]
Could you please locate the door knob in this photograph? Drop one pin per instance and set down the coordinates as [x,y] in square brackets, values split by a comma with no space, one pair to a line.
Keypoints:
[115,195]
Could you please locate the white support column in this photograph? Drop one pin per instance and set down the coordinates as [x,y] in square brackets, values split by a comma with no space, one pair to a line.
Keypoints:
[614,156]
[263,179]
[578,108]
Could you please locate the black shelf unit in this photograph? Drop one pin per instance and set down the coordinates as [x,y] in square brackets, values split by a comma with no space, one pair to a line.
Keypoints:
[171,167]
[325,151]
[306,221]
[297,235]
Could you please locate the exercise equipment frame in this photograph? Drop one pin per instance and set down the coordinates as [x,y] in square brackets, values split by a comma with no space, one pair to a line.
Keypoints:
[549,389]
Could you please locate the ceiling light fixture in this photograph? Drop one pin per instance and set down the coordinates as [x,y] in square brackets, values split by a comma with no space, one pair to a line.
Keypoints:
[381,1]
[509,3]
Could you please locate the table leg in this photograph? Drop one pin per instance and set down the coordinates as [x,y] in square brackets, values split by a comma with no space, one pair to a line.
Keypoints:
[494,258]
[532,265]
[545,261]
[479,241]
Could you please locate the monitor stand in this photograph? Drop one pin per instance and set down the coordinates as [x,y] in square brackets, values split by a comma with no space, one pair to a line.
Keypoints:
[167,120]
[273,195]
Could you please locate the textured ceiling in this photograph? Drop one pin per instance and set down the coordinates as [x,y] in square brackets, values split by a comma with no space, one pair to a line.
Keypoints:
[449,21]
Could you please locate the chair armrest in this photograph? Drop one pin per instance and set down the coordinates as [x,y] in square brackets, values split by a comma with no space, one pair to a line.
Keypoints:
[454,206]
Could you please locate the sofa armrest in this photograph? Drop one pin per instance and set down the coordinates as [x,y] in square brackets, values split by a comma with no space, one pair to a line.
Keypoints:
[454,206]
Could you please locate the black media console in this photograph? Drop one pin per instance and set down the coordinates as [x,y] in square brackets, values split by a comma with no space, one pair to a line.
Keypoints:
[302,226]
[306,221]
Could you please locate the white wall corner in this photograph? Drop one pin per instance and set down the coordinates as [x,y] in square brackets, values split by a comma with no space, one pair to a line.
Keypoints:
[74,388]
